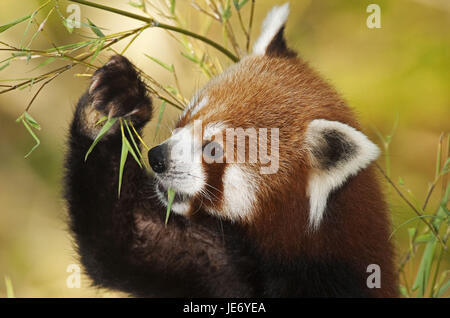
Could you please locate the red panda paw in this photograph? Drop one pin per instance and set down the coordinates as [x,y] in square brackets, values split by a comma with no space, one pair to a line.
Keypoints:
[116,90]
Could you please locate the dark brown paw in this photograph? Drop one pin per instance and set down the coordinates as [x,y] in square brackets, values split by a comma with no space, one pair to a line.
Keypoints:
[117,91]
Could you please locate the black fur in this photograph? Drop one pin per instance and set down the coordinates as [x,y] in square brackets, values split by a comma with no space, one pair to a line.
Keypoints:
[336,149]
[278,47]
[124,244]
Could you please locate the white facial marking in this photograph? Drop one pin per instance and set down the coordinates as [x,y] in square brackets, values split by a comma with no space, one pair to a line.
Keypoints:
[200,105]
[212,129]
[185,172]
[273,22]
[323,181]
[239,193]
[195,105]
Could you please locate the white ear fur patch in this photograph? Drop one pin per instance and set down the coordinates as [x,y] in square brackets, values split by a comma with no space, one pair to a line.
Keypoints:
[353,151]
[273,22]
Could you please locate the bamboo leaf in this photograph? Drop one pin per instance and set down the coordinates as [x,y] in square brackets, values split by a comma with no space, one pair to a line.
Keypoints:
[30,22]
[172,90]
[168,67]
[190,57]
[138,5]
[96,29]
[423,273]
[30,120]
[97,50]
[107,126]
[123,159]
[172,6]
[403,291]
[425,238]
[446,167]
[170,198]
[101,120]
[46,62]
[5,27]
[139,137]
[238,5]
[69,27]
[5,65]
[443,289]
[131,150]
[160,116]
[226,14]
[38,142]
[134,142]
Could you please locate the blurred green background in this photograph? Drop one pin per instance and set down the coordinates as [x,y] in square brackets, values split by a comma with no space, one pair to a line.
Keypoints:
[401,70]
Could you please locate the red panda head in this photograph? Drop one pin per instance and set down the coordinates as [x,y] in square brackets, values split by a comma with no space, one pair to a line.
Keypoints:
[267,137]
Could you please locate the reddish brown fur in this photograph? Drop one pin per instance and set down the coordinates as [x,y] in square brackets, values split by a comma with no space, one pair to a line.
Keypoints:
[285,93]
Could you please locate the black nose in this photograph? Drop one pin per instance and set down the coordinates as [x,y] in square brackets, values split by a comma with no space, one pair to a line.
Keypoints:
[157,157]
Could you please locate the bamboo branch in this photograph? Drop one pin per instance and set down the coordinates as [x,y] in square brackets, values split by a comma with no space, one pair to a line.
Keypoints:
[429,225]
[157,24]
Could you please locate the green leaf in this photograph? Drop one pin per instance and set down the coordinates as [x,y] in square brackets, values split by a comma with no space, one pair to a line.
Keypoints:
[442,212]
[30,120]
[172,89]
[107,126]
[411,232]
[5,65]
[403,291]
[443,289]
[160,116]
[131,150]
[172,6]
[72,46]
[168,67]
[9,288]
[138,5]
[123,159]
[190,57]
[423,272]
[5,27]
[95,29]
[226,14]
[134,143]
[97,50]
[126,148]
[101,120]
[170,198]
[30,123]
[30,22]
[424,238]
[238,5]
[38,142]
[46,62]
[69,27]
[446,167]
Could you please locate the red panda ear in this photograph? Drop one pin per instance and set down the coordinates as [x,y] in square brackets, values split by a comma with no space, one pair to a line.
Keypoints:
[337,152]
[271,41]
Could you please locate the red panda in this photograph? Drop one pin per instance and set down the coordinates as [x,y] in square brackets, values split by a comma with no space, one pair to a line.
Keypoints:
[296,211]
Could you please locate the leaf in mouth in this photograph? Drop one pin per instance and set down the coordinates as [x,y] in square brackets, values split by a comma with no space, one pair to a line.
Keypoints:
[170,198]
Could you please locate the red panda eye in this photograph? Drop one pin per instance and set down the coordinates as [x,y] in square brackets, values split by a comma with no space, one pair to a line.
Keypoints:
[213,150]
